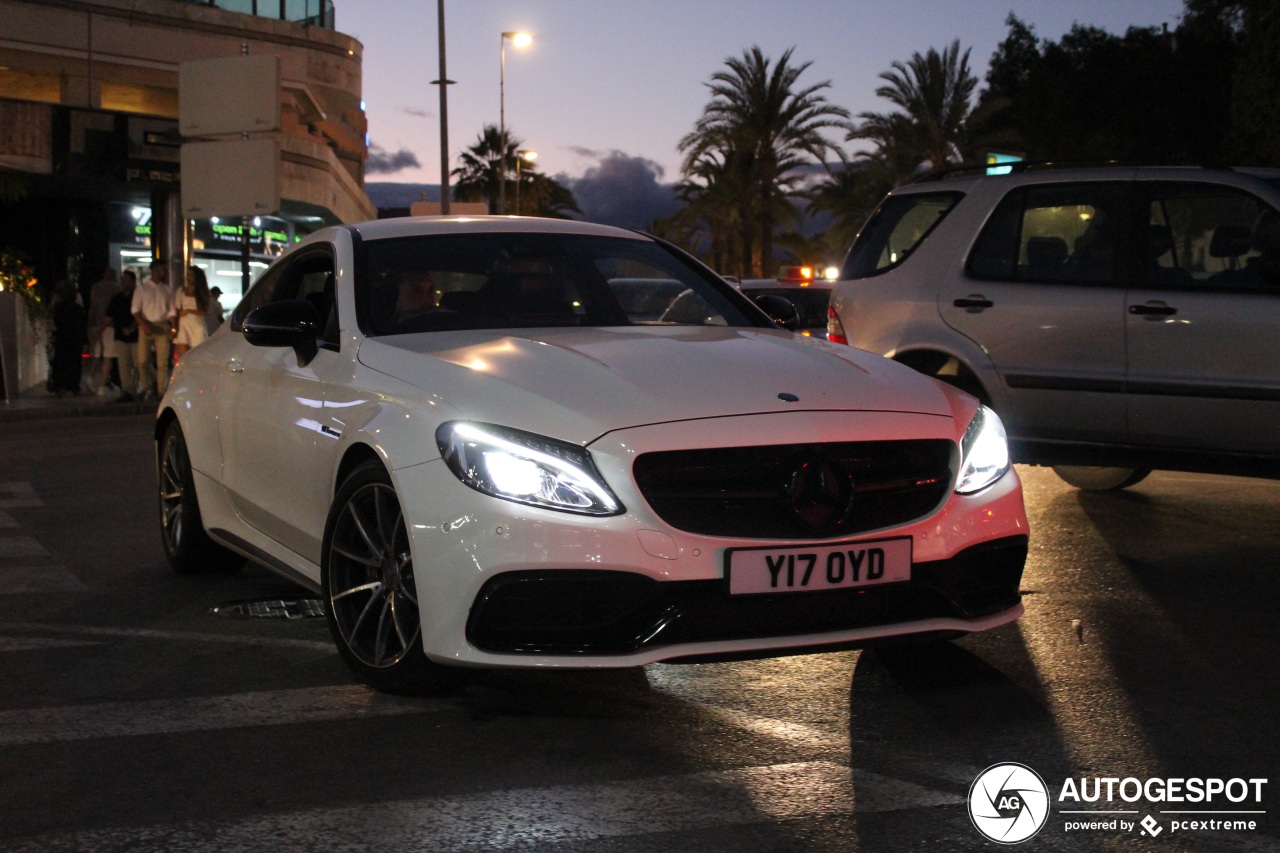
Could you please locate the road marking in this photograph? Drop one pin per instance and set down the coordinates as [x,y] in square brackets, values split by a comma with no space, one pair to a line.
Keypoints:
[16,580]
[15,496]
[796,734]
[535,818]
[17,576]
[18,496]
[170,716]
[19,644]
[170,636]
[21,546]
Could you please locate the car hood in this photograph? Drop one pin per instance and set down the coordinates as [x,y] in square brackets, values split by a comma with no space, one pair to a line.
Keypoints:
[578,384]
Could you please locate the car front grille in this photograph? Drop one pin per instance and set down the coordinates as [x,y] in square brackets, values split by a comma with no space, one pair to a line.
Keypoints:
[596,612]
[797,491]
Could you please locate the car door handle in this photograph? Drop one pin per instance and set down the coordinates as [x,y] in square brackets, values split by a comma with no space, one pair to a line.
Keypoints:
[235,365]
[1153,310]
[973,303]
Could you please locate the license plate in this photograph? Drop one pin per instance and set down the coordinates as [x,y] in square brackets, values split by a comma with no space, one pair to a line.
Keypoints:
[753,571]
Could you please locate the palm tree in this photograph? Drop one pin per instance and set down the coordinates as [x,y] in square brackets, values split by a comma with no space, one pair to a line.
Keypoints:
[484,168]
[543,196]
[759,124]
[933,94]
[712,189]
[481,173]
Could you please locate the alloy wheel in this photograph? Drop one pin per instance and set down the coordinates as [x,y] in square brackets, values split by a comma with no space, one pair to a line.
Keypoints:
[370,581]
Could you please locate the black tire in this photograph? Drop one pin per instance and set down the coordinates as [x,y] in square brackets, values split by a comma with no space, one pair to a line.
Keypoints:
[1100,479]
[370,596]
[186,545]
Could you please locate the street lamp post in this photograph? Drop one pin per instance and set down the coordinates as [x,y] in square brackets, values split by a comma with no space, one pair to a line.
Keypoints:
[525,156]
[519,40]
[444,116]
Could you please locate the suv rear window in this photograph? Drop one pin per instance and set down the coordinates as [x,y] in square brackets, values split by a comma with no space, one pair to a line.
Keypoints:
[894,231]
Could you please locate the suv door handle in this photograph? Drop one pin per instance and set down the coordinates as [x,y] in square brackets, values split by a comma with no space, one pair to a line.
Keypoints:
[974,303]
[1153,310]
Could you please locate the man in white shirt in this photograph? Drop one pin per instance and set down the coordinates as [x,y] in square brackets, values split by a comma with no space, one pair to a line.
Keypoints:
[153,308]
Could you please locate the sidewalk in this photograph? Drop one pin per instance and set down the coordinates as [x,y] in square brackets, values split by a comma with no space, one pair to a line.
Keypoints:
[38,404]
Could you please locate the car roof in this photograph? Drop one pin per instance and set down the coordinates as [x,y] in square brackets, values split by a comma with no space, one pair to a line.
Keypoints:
[761,283]
[412,226]
[964,178]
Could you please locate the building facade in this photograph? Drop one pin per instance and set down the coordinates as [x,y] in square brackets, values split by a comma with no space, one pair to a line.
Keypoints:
[89,141]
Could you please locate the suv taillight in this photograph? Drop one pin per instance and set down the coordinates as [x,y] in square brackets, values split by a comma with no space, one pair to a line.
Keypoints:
[835,329]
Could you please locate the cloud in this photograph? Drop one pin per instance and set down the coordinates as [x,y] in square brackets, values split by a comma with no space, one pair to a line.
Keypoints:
[622,190]
[587,153]
[416,112]
[383,162]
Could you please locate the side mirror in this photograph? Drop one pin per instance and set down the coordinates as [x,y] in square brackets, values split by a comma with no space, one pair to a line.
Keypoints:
[293,323]
[780,310]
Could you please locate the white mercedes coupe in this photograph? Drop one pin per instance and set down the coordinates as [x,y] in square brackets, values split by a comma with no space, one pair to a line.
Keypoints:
[498,442]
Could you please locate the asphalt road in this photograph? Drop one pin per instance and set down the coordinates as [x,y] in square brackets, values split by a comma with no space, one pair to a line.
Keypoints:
[135,718]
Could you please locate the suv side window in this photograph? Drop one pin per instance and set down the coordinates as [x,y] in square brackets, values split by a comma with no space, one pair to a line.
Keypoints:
[894,231]
[1057,232]
[1211,236]
[306,276]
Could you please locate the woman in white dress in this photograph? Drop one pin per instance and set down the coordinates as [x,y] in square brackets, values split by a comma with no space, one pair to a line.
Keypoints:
[189,310]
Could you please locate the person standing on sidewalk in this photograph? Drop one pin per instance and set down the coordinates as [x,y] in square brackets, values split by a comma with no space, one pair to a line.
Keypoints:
[152,307]
[215,316]
[100,332]
[190,307]
[125,329]
[69,337]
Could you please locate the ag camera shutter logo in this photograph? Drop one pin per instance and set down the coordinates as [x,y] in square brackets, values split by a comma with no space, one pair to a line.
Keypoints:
[1008,803]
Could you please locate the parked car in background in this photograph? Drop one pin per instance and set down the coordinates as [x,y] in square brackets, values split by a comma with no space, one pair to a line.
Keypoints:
[1119,319]
[811,298]
[484,442]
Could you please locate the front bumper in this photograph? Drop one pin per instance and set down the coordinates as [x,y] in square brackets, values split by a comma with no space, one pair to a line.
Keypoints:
[502,584]
[586,612]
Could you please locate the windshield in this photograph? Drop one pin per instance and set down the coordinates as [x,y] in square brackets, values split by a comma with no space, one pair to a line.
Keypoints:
[894,231]
[524,280]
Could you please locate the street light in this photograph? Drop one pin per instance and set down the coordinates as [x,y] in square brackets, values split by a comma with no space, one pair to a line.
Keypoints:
[526,156]
[519,39]
[444,115]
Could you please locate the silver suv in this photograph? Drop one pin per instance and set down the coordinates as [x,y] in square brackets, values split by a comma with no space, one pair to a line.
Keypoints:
[1119,319]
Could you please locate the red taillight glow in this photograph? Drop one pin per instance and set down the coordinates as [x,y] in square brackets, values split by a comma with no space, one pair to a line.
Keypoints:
[835,329]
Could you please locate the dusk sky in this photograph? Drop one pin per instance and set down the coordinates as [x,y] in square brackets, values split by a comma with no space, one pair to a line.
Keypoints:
[628,78]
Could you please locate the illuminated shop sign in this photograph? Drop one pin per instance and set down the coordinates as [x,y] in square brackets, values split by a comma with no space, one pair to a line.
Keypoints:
[269,236]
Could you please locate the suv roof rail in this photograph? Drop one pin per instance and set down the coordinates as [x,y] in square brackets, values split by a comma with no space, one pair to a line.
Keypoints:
[1047,165]
[1012,168]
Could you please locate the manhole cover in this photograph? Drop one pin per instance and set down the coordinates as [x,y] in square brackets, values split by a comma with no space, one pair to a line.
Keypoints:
[272,608]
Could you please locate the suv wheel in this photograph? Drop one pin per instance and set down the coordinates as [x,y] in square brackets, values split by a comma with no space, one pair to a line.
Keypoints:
[950,370]
[1097,479]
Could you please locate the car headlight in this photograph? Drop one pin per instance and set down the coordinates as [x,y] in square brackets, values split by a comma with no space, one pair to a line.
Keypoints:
[984,452]
[525,468]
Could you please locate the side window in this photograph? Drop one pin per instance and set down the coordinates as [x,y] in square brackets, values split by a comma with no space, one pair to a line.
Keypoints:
[313,280]
[899,225]
[260,293]
[1053,233]
[1211,236]
[308,276]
